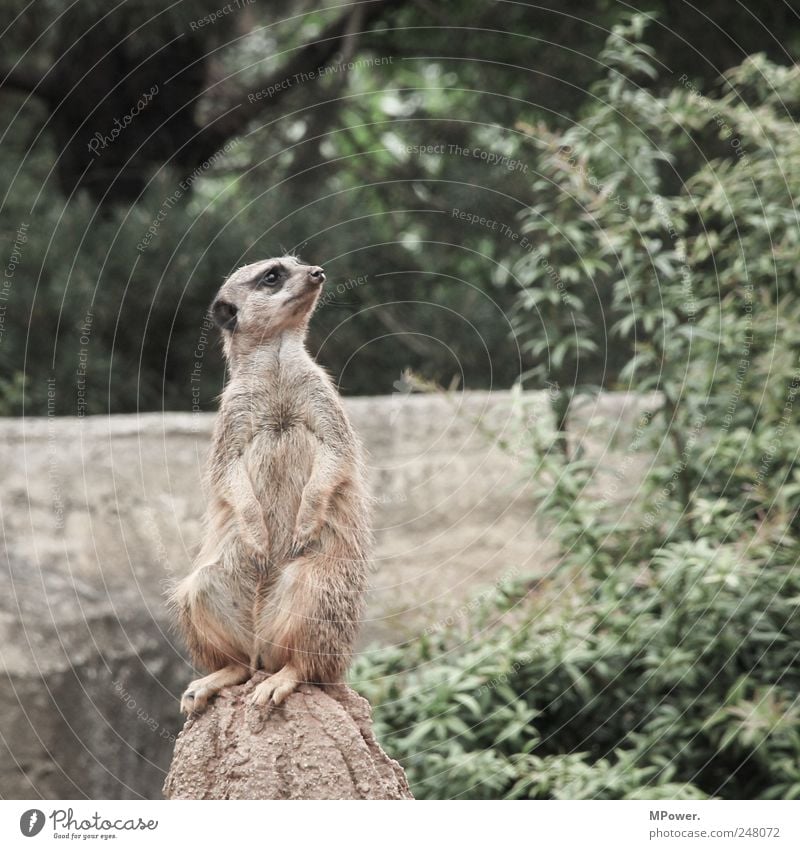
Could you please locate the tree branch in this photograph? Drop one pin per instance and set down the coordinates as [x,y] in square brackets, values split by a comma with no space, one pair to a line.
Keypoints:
[25,80]
[338,37]
[404,336]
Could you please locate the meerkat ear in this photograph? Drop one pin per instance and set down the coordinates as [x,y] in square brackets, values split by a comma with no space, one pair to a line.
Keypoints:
[224,315]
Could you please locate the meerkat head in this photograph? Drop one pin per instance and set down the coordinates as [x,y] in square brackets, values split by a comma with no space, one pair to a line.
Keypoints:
[262,300]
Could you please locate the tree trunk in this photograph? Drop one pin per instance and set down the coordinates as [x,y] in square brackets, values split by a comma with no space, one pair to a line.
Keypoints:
[318,744]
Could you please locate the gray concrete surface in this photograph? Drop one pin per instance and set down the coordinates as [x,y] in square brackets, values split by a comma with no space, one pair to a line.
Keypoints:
[99,514]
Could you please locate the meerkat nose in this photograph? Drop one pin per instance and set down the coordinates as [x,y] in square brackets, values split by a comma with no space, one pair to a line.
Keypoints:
[316,274]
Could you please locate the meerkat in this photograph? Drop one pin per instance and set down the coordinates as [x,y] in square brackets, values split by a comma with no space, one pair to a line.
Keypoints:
[280,577]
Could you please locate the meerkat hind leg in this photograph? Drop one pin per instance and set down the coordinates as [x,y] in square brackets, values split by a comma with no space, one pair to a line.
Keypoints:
[277,687]
[197,694]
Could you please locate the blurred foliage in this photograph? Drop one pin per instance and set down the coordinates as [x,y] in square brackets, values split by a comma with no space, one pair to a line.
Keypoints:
[329,168]
[660,660]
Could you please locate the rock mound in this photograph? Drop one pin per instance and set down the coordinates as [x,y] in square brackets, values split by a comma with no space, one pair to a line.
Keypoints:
[318,744]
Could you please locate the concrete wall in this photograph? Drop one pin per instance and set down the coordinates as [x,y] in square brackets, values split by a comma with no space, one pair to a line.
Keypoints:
[99,514]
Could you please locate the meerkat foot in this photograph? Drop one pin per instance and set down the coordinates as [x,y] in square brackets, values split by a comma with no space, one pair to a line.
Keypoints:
[277,687]
[197,694]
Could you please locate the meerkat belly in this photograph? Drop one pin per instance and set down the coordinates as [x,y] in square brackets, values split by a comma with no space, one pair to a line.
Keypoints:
[280,464]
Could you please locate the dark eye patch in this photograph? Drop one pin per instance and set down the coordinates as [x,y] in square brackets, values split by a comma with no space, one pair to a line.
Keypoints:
[273,278]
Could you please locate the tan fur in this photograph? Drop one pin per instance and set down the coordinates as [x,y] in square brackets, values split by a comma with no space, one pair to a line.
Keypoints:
[281,573]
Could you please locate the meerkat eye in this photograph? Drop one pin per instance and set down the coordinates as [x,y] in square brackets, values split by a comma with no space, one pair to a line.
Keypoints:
[271,277]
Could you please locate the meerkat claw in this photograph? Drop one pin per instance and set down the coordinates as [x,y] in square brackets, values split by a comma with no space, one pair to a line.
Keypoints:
[301,542]
[305,540]
[298,549]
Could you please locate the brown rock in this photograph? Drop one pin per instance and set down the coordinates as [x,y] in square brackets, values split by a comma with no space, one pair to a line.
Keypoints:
[318,744]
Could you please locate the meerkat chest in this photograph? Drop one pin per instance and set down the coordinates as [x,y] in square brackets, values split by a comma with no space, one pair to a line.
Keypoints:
[285,407]
[281,416]
[265,401]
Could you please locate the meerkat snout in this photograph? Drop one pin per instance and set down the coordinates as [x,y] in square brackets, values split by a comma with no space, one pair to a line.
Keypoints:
[268,297]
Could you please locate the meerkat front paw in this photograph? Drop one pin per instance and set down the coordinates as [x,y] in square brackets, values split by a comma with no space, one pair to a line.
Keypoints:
[197,694]
[276,688]
[304,537]
[257,541]
[195,698]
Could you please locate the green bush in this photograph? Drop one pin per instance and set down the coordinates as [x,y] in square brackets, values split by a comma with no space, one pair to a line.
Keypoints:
[677,679]
[660,660]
